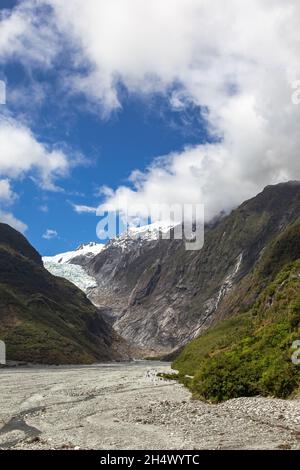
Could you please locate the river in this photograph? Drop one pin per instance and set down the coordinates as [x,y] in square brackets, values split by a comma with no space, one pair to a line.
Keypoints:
[125,406]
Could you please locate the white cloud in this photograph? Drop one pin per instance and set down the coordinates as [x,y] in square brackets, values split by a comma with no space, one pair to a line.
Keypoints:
[7,198]
[22,154]
[50,234]
[24,38]
[10,219]
[44,208]
[6,193]
[184,178]
[237,62]
[82,209]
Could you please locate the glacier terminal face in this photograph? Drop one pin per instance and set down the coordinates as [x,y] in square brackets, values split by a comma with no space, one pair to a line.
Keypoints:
[65,265]
[73,273]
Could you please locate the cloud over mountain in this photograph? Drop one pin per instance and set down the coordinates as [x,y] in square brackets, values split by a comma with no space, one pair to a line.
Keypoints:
[235,60]
[7,198]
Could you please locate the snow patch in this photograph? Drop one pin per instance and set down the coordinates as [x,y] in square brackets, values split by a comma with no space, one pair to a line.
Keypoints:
[88,250]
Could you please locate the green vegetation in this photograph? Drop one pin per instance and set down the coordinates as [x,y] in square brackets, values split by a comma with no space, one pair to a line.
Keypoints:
[250,353]
[45,319]
[42,327]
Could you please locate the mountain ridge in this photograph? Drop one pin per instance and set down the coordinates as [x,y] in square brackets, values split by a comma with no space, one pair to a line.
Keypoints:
[162,296]
[159,296]
[45,319]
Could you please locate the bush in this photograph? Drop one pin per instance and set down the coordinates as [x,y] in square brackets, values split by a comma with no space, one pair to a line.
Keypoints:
[224,377]
[278,379]
[233,375]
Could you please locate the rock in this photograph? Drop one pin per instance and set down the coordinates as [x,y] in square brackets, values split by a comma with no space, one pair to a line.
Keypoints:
[139,279]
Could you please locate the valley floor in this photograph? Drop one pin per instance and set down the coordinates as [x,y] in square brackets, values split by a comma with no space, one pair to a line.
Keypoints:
[124,406]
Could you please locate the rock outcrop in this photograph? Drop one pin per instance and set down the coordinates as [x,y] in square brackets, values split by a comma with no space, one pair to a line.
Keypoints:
[161,296]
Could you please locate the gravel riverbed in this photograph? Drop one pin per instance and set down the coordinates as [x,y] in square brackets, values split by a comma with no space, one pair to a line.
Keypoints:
[125,406]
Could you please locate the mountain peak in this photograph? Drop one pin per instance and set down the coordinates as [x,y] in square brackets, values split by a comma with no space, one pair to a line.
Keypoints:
[88,250]
[83,246]
[148,232]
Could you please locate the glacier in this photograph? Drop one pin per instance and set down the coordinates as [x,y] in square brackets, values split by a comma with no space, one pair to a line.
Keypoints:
[73,273]
[61,265]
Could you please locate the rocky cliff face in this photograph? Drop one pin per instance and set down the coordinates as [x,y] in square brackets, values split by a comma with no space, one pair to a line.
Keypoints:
[46,319]
[249,348]
[161,296]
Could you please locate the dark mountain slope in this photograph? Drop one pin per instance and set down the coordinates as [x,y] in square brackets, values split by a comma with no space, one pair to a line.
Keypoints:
[285,248]
[162,296]
[251,352]
[14,240]
[46,319]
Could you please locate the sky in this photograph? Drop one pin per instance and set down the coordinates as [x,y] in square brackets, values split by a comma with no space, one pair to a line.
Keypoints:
[131,102]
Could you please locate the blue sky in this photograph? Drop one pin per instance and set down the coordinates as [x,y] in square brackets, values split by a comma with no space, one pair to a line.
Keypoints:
[95,96]
[113,145]
[127,140]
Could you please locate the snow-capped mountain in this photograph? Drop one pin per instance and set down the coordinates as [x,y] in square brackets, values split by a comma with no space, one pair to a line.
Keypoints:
[135,236]
[75,265]
[88,250]
[159,296]
[146,232]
